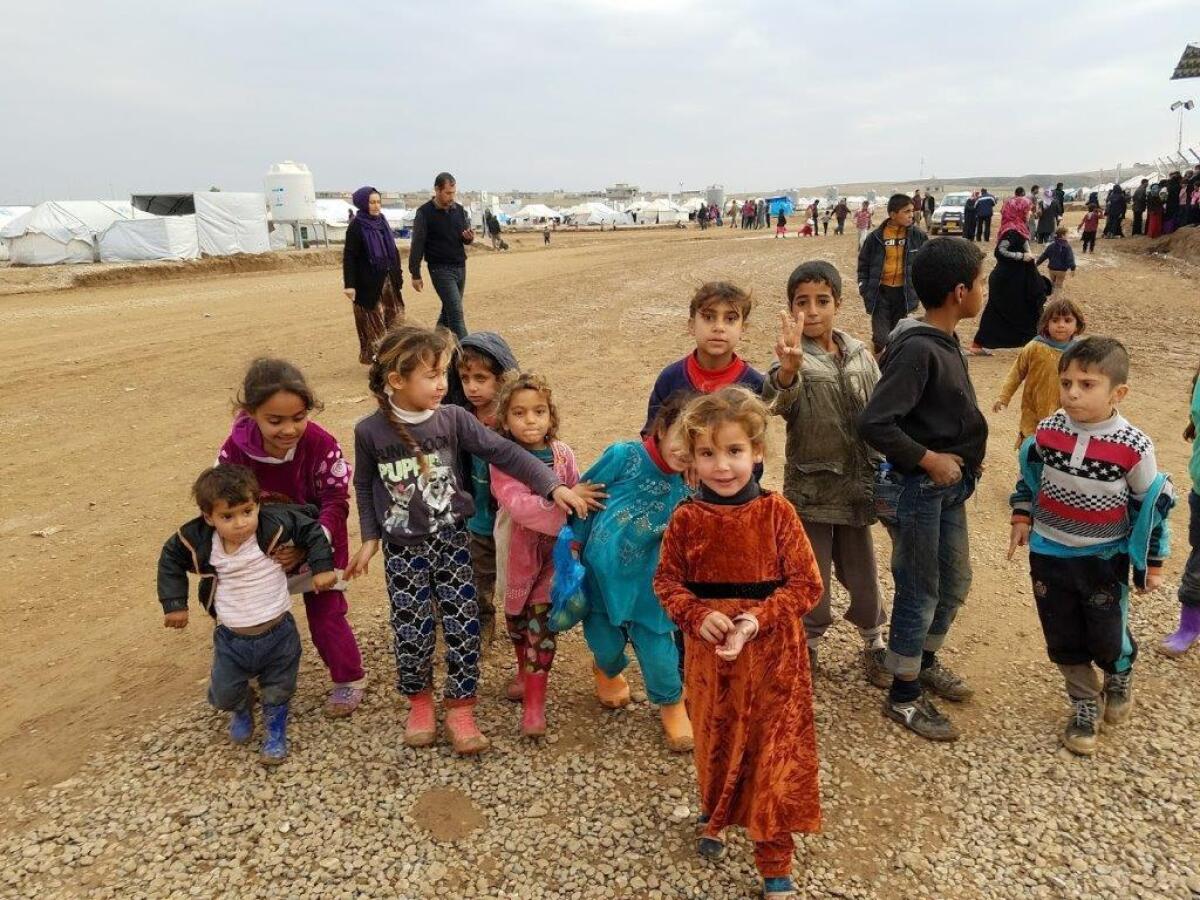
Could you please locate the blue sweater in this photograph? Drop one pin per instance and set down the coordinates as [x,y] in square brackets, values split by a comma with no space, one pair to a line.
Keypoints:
[1060,255]
[675,378]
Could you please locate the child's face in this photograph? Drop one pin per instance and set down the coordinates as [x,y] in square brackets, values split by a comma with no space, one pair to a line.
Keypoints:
[1061,328]
[972,301]
[717,329]
[725,459]
[480,385]
[423,388]
[235,523]
[903,217]
[528,418]
[1088,395]
[281,420]
[673,448]
[814,307]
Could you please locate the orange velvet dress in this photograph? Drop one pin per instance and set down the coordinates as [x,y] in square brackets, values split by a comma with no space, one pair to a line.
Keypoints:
[756,747]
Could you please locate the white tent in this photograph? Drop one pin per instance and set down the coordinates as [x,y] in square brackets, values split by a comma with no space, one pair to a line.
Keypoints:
[594,213]
[62,231]
[229,223]
[660,212]
[7,214]
[532,211]
[158,237]
[335,215]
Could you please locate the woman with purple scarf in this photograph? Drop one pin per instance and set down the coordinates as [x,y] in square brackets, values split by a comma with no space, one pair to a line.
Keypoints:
[371,273]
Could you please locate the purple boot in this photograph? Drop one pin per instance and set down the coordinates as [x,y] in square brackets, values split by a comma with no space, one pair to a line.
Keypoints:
[1188,632]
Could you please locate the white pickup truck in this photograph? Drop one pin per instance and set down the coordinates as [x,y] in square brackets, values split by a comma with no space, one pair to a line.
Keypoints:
[948,217]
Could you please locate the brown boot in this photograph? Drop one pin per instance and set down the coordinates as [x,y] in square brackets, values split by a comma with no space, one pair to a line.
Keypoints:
[677,727]
[613,693]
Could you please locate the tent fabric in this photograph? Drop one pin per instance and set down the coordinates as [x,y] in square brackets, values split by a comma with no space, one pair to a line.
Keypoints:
[536,211]
[7,214]
[229,223]
[595,213]
[162,237]
[62,231]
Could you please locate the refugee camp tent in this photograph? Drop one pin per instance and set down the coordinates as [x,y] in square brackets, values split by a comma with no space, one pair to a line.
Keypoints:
[62,231]
[334,215]
[7,214]
[532,212]
[156,237]
[595,213]
[658,212]
[781,204]
[229,223]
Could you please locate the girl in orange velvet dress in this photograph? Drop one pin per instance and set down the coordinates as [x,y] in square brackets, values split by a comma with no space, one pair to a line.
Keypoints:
[737,575]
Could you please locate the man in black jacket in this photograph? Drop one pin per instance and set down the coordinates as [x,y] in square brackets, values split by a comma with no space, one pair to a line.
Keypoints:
[923,417]
[984,207]
[885,269]
[441,230]
[1139,205]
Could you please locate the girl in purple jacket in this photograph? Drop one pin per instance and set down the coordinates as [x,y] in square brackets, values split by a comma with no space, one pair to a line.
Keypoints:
[298,461]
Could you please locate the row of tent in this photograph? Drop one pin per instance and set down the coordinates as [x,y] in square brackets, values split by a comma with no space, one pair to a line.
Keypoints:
[84,231]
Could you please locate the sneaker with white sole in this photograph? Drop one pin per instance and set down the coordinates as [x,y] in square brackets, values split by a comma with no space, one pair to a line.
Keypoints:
[945,683]
[1118,698]
[921,717]
[1083,726]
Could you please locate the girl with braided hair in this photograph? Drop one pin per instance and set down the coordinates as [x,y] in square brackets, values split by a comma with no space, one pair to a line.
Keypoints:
[413,507]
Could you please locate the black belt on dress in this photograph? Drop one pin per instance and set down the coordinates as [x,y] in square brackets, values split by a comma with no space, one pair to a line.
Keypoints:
[733,590]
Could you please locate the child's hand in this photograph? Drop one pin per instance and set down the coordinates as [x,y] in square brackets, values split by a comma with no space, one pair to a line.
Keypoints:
[735,641]
[324,581]
[1018,536]
[942,468]
[569,502]
[360,560]
[177,619]
[715,626]
[1154,580]
[789,349]
[289,557]
[998,406]
[591,494]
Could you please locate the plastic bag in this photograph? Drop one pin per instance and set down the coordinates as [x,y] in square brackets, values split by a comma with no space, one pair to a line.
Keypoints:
[568,605]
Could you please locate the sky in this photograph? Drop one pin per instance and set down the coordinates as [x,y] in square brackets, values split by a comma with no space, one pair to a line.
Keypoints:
[101,100]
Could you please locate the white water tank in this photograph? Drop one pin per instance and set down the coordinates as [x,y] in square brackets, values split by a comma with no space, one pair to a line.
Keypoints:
[291,196]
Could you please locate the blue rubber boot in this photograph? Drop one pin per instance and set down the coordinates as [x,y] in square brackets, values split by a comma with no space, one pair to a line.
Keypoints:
[274,748]
[241,724]
[779,888]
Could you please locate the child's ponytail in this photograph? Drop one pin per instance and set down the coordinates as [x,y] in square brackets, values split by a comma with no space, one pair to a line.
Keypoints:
[400,351]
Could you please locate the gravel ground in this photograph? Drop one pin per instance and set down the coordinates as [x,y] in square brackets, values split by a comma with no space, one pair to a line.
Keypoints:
[600,809]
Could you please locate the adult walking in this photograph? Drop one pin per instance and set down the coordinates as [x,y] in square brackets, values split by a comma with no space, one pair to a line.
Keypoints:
[1139,205]
[969,216]
[1016,290]
[840,212]
[984,207]
[441,232]
[930,206]
[1115,212]
[1174,203]
[371,273]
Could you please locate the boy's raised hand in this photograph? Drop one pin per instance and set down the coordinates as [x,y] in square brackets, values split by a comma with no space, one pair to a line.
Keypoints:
[789,349]
[1018,536]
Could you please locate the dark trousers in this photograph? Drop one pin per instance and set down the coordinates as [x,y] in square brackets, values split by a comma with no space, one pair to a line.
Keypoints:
[1083,604]
[1089,242]
[983,228]
[1189,582]
[969,227]
[889,310]
[272,657]
[450,282]
[1137,221]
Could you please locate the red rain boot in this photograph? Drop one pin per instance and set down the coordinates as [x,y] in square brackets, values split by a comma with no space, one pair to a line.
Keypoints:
[515,689]
[421,728]
[533,716]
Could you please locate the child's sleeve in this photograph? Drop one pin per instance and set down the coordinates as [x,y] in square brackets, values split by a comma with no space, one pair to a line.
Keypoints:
[1021,499]
[333,490]
[1070,259]
[526,508]
[802,586]
[604,471]
[365,472]
[174,562]
[782,401]
[658,396]
[1017,374]
[899,390]
[1045,254]
[503,454]
[684,607]
[1140,479]
[308,533]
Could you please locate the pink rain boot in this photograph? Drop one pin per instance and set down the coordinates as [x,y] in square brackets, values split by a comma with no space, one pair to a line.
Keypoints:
[1188,632]
[421,728]
[533,716]
[515,689]
[464,733]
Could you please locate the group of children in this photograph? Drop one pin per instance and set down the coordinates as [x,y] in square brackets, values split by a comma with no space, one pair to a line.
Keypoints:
[721,587]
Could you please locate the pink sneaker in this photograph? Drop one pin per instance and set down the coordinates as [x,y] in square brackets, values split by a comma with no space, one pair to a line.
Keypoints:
[421,728]
[343,700]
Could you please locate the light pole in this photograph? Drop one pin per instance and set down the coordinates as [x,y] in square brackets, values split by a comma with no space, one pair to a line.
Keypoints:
[1183,106]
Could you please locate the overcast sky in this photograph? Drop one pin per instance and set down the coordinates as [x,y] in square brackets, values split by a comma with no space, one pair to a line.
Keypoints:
[103,99]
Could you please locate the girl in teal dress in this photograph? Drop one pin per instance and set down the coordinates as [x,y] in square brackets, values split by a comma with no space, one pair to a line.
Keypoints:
[619,551]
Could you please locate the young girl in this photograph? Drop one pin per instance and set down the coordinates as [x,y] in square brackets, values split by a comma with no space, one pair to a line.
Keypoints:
[619,549]
[736,575]
[822,382]
[1037,365]
[526,527]
[1089,226]
[410,500]
[298,461]
[1188,633]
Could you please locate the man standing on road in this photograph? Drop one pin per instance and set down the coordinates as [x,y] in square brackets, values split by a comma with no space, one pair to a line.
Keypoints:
[930,206]
[984,207]
[440,232]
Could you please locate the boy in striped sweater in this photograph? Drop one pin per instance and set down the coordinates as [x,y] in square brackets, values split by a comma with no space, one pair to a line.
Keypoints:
[1090,504]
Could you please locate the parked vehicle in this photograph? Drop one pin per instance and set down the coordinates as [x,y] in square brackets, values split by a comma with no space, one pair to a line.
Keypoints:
[948,216]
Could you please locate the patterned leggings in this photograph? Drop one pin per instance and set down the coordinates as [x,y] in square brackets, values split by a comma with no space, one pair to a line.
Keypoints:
[530,630]
[425,581]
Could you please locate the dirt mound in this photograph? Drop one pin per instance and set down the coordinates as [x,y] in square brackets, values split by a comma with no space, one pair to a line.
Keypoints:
[1184,245]
[216,265]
